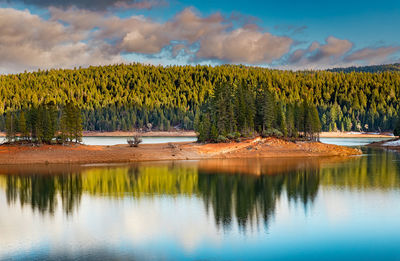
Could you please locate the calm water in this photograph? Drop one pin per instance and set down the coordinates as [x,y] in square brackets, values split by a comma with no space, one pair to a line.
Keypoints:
[123,140]
[352,141]
[148,140]
[108,141]
[303,209]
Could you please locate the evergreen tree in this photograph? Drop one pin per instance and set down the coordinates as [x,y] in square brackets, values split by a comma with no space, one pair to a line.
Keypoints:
[10,127]
[396,131]
[268,111]
[22,124]
[316,124]
[77,124]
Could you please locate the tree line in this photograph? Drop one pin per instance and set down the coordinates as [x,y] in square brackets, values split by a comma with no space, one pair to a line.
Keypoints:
[241,111]
[370,68]
[126,97]
[45,123]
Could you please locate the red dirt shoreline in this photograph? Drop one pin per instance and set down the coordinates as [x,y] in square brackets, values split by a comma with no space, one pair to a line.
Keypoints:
[85,154]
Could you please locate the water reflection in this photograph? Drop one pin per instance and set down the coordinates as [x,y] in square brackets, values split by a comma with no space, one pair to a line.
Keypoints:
[246,191]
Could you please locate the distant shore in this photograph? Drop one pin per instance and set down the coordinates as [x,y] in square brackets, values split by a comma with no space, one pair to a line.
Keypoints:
[193,134]
[393,144]
[85,154]
[352,134]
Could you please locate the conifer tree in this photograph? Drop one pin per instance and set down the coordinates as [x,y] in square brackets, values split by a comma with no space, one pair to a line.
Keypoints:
[77,124]
[22,124]
[10,127]
[396,131]
[268,111]
[316,124]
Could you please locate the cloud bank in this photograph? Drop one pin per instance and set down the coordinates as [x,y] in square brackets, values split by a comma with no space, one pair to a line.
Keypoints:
[75,33]
[98,5]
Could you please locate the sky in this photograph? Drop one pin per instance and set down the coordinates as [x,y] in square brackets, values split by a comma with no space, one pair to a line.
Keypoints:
[283,34]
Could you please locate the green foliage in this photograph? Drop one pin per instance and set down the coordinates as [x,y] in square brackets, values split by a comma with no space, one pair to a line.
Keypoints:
[126,97]
[22,125]
[272,133]
[396,131]
[10,127]
[221,139]
[43,124]
[371,68]
[254,112]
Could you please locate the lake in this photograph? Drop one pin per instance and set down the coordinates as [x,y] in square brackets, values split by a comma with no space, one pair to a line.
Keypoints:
[109,141]
[253,209]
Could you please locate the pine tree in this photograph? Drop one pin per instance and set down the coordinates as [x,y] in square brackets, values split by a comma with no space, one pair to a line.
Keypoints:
[290,121]
[280,120]
[10,127]
[396,131]
[316,124]
[23,129]
[77,124]
[268,111]
[64,134]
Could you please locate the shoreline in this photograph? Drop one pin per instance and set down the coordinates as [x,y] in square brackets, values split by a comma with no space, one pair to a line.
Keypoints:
[384,145]
[355,135]
[93,154]
[193,134]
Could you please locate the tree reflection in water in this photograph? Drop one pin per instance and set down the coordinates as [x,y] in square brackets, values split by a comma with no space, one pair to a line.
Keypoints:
[249,199]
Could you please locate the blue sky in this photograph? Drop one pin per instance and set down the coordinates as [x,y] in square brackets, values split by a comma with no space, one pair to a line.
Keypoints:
[282,34]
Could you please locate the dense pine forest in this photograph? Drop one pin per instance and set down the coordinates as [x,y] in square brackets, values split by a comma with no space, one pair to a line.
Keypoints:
[135,96]
[45,123]
[371,68]
[239,111]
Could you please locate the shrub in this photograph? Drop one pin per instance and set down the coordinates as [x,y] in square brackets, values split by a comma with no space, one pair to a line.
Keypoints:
[271,133]
[230,136]
[135,141]
[221,139]
[237,135]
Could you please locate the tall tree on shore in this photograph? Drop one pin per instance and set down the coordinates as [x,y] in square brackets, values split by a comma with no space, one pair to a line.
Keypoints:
[316,123]
[71,124]
[396,131]
[265,113]
[10,127]
[77,124]
[22,126]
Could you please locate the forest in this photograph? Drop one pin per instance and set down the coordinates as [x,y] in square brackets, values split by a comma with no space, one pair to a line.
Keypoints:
[370,68]
[136,96]
[45,123]
[238,111]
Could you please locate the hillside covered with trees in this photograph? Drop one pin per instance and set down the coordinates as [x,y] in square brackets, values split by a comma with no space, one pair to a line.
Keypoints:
[135,96]
[370,68]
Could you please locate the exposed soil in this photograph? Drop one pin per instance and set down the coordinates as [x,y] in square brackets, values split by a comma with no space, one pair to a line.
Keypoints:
[84,154]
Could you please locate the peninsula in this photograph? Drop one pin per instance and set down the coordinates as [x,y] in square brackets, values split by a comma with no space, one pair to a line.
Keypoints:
[251,148]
